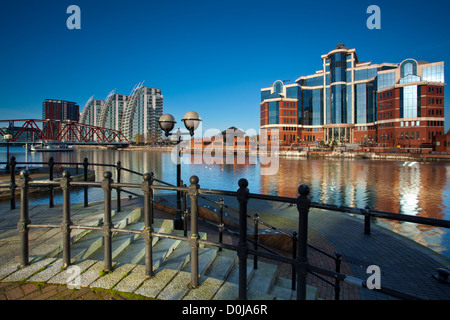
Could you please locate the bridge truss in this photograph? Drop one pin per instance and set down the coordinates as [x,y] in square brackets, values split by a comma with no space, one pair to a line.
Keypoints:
[33,130]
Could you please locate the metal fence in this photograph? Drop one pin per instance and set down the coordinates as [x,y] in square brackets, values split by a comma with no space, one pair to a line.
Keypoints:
[299,260]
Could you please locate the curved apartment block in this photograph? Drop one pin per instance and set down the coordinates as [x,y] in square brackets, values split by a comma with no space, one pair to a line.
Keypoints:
[136,115]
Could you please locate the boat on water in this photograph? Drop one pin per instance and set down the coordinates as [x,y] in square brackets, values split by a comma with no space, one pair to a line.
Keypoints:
[51,147]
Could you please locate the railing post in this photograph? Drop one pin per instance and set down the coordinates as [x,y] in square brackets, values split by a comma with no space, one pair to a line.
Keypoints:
[221,225]
[107,223]
[118,167]
[85,173]
[337,285]
[303,204]
[66,222]
[24,221]
[185,213]
[12,185]
[255,232]
[148,221]
[367,220]
[294,256]
[193,241]
[51,165]
[242,197]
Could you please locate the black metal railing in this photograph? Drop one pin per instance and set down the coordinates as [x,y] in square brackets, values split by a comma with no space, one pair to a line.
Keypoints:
[299,261]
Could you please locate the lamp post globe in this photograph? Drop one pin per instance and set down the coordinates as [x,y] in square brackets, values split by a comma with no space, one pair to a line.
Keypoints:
[7,137]
[191,121]
[167,123]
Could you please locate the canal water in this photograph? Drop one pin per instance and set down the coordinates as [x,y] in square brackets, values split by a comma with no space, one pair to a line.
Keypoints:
[413,188]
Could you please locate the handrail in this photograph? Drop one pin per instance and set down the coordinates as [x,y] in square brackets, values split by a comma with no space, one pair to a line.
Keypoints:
[299,262]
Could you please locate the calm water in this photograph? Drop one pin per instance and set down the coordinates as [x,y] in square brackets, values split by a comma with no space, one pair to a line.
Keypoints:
[397,186]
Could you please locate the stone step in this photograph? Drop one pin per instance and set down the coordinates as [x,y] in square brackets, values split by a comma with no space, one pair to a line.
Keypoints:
[263,277]
[93,240]
[179,287]
[230,288]
[214,276]
[282,289]
[135,252]
[119,242]
[50,242]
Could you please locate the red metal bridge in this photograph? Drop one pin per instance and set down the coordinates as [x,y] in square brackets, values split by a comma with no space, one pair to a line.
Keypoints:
[33,130]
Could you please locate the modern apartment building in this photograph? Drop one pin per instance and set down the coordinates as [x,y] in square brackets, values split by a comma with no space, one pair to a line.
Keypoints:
[91,111]
[351,101]
[136,115]
[60,110]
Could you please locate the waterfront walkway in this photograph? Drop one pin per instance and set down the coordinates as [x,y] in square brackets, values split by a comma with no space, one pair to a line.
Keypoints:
[405,265]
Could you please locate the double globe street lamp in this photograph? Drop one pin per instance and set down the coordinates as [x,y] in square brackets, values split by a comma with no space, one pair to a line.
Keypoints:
[7,137]
[167,122]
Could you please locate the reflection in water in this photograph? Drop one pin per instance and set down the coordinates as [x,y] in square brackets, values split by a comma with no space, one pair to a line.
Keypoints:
[412,188]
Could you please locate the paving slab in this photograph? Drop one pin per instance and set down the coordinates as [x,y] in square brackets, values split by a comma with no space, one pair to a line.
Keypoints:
[26,272]
[50,271]
[153,286]
[177,288]
[133,280]
[64,276]
[206,291]
[92,273]
[109,280]
[7,269]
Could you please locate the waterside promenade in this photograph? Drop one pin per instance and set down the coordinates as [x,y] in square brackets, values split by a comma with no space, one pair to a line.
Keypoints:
[405,265]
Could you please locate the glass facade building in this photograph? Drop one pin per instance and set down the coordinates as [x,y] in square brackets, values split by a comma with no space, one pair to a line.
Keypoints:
[341,102]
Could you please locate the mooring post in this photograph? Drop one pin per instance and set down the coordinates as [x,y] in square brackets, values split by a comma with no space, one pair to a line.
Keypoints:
[303,204]
[24,221]
[242,197]
[193,240]
[148,222]
[12,185]
[107,223]
[66,222]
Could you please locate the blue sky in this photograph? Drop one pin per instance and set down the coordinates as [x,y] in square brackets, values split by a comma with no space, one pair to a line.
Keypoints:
[209,56]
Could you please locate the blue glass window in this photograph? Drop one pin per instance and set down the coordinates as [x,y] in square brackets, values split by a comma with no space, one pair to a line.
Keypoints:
[386,80]
[408,67]
[434,74]
[265,94]
[292,92]
[273,112]
[278,87]
[409,78]
[408,102]
[365,99]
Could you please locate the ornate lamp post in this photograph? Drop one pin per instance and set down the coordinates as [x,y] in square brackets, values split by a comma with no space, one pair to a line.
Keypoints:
[167,122]
[7,137]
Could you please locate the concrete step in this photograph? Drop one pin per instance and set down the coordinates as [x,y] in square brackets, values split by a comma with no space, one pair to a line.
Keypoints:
[214,276]
[230,288]
[93,240]
[50,242]
[178,262]
[119,242]
[282,290]
[135,251]
[263,277]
